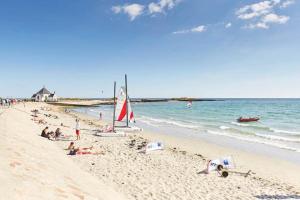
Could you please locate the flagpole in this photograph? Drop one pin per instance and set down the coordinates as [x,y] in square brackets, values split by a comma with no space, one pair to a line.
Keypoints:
[114,116]
[126,100]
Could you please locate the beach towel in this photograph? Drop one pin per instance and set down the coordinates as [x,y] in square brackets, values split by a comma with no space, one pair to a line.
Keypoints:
[153,146]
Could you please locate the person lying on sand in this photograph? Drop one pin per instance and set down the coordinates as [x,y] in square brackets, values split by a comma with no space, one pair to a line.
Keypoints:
[62,124]
[81,151]
[72,147]
[106,129]
[41,121]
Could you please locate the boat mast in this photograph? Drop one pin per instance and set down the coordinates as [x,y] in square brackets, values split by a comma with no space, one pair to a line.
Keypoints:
[114,116]
[126,100]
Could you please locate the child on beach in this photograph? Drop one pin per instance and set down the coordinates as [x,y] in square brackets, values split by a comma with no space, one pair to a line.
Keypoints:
[77,130]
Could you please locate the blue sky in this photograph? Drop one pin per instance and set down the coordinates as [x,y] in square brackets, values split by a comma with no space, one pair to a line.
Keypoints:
[168,48]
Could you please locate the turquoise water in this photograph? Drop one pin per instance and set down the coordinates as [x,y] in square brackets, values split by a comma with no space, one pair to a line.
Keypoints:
[279,126]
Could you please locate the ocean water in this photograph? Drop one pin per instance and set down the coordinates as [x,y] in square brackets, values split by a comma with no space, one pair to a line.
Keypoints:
[279,125]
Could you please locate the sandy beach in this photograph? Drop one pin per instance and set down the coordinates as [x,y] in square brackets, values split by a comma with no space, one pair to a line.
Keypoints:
[38,168]
[32,167]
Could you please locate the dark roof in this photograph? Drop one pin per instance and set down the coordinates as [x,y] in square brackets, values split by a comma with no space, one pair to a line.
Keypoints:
[33,96]
[52,95]
[43,91]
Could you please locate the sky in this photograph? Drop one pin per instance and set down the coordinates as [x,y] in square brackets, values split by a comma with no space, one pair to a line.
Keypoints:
[168,48]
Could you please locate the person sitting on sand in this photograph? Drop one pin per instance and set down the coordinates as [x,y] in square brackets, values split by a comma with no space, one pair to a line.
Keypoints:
[58,133]
[51,135]
[71,146]
[45,134]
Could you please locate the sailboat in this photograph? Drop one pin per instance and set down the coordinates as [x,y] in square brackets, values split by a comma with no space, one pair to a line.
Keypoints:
[122,115]
[123,104]
[123,112]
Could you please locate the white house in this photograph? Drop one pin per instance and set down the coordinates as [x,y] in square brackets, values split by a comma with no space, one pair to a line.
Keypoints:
[44,95]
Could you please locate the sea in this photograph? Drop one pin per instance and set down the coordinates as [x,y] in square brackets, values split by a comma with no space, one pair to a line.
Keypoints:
[277,133]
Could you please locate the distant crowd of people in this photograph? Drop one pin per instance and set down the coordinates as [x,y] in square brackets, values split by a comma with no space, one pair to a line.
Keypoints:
[8,102]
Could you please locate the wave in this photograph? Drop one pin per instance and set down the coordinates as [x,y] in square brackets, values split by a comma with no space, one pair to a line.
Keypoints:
[94,111]
[239,124]
[255,125]
[281,146]
[224,127]
[275,137]
[266,128]
[147,122]
[169,122]
[284,131]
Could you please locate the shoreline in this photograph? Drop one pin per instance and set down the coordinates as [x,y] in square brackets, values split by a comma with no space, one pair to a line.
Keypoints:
[174,173]
[212,136]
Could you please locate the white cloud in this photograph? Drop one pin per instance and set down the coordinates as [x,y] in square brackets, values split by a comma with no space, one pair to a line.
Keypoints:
[116,9]
[154,8]
[256,9]
[260,25]
[197,29]
[132,10]
[262,14]
[228,25]
[287,3]
[160,6]
[273,18]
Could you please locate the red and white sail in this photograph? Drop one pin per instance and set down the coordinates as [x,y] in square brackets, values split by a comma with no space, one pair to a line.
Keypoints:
[121,107]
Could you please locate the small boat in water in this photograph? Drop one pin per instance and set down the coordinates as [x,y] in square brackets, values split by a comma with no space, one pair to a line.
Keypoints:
[250,119]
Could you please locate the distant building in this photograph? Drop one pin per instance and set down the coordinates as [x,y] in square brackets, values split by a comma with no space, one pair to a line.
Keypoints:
[44,95]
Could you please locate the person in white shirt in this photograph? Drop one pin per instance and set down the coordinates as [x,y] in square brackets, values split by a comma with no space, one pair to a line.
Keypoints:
[77,129]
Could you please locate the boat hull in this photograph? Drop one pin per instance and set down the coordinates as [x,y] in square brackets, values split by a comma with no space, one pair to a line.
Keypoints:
[243,120]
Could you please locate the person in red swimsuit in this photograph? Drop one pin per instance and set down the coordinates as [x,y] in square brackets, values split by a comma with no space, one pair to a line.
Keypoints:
[77,130]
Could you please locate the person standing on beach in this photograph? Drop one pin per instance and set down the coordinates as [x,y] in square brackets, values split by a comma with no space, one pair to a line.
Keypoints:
[100,116]
[77,129]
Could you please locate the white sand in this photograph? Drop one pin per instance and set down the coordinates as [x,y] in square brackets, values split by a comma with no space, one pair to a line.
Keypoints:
[169,174]
[32,167]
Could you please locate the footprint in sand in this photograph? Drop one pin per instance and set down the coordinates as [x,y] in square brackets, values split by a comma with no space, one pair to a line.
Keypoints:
[61,193]
[80,196]
[77,192]
[14,164]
